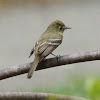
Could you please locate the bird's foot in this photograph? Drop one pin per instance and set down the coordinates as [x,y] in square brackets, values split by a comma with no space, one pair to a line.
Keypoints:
[57,56]
[53,54]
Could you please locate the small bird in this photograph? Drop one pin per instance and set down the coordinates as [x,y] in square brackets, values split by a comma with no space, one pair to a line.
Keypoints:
[47,43]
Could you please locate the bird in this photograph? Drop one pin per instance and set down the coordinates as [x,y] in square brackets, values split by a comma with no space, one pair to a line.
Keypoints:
[47,43]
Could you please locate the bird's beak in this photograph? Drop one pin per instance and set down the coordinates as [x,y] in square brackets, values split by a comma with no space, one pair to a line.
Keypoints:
[67,27]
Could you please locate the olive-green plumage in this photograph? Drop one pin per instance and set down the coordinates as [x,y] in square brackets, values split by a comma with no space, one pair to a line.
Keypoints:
[47,43]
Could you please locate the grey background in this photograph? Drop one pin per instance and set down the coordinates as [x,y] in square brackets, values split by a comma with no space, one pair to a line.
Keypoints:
[23,21]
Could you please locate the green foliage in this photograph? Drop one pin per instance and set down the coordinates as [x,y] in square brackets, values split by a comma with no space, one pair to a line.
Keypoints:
[83,86]
[93,88]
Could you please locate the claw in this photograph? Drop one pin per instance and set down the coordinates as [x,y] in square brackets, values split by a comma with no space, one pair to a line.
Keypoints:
[58,58]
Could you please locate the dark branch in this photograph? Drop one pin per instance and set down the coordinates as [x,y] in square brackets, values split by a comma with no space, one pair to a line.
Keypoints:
[50,63]
[36,96]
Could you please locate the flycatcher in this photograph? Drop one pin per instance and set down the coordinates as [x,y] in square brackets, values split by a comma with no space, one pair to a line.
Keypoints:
[47,43]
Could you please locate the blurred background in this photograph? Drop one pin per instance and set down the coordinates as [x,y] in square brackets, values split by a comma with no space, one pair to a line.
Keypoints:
[21,24]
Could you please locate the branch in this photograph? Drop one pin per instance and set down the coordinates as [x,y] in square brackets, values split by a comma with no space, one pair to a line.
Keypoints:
[51,62]
[36,96]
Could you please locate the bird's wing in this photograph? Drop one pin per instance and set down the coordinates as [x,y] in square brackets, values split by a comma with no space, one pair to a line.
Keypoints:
[48,46]
[32,51]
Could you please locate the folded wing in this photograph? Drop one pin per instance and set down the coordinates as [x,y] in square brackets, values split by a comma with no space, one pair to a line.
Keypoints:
[49,46]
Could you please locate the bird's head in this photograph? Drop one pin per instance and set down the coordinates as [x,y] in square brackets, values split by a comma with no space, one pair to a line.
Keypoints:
[57,26]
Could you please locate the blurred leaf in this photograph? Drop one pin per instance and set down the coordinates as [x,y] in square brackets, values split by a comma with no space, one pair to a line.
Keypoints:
[76,86]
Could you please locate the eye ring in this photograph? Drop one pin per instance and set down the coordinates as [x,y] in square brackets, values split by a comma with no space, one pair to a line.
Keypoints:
[60,28]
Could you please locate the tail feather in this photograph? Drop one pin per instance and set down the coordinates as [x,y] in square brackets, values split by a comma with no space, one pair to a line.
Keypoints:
[34,65]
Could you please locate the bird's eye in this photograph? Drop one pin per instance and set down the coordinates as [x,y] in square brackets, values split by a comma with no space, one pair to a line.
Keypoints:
[60,28]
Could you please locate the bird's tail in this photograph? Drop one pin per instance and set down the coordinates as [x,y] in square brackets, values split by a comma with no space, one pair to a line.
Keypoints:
[32,69]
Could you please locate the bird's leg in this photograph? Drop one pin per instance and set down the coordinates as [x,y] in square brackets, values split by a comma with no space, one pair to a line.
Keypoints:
[53,54]
[57,56]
